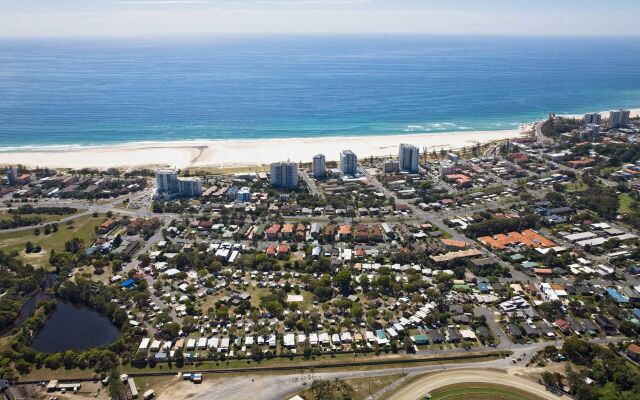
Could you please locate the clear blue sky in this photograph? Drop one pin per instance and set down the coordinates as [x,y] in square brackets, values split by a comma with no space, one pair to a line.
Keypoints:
[142,18]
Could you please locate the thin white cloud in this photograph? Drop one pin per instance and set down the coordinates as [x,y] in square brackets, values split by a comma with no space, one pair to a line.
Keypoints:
[245,3]
[160,22]
[161,2]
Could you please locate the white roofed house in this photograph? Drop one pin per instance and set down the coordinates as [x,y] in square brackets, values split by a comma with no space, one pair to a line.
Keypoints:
[345,337]
[144,344]
[191,344]
[289,340]
[302,338]
[335,339]
[155,346]
[212,343]
[323,339]
[202,343]
[370,336]
[224,344]
[313,339]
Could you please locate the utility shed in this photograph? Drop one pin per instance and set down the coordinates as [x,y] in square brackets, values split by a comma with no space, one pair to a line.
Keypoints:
[132,388]
[52,385]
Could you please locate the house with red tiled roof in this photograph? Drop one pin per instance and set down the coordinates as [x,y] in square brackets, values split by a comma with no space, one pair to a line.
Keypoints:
[287,230]
[272,232]
[271,250]
[454,243]
[633,351]
[563,326]
[345,232]
[581,162]
[283,249]
[528,238]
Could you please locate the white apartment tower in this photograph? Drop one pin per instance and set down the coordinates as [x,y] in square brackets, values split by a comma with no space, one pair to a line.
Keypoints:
[592,118]
[619,118]
[284,174]
[169,186]
[408,156]
[319,168]
[167,182]
[348,162]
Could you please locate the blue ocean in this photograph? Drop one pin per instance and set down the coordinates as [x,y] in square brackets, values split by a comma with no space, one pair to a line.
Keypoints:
[93,92]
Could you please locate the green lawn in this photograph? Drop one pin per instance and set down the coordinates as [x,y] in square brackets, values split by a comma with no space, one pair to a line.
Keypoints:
[625,203]
[306,364]
[574,187]
[83,228]
[480,391]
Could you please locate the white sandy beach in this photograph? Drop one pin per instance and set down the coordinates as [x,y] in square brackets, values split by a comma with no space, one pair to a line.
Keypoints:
[233,153]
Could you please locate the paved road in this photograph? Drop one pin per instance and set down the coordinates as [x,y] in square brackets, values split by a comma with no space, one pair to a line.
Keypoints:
[249,386]
[313,188]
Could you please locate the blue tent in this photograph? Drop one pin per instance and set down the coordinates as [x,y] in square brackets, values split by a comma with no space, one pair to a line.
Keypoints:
[129,283]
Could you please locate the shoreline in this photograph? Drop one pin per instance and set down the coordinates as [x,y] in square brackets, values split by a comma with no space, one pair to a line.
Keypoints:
[236,153]
[244,152]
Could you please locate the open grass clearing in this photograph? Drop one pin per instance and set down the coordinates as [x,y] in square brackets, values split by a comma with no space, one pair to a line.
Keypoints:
[82,227]
[480,391]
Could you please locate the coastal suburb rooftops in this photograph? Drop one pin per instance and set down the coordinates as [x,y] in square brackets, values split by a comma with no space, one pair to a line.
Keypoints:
[529,238]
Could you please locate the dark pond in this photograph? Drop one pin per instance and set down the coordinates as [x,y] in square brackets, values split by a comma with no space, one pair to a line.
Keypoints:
[30,305]
[74,328]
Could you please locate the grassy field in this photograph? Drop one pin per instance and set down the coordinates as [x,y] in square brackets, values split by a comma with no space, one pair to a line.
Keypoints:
[45,218]
[305,364]
[625,203]
[480,391]
[83,228]
[574,187]
[362,387]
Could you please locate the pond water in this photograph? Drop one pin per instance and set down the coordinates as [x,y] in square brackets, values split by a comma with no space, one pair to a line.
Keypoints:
[74,328]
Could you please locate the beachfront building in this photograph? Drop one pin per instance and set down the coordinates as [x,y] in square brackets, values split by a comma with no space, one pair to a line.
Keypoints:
[619,118]
[189,187]
[169,186]
[319,168]
[244,195]
[12,176]
[284,175]
[408,156]
[167,182]
[592,118]
[348,162]
[447,168]
[391,166]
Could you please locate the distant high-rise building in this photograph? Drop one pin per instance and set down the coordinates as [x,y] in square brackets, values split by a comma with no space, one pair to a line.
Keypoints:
[391,166]
[169,186]
[453,157]
[408,156]
[348,162]
[189,187]
[167,182]
[12,176]
[592,118]
[590,130]
[618,118]
[244,195]
[447,168]
[319,168]
[284,174]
